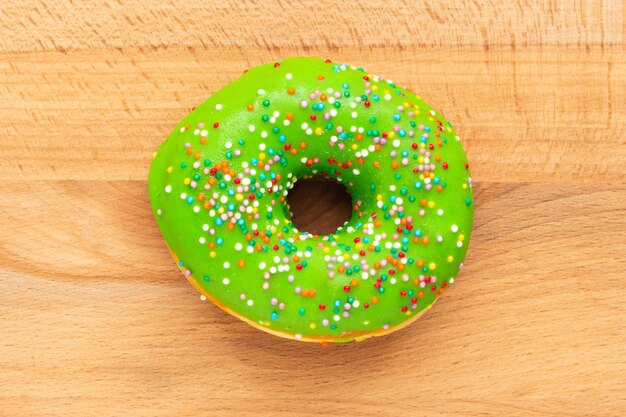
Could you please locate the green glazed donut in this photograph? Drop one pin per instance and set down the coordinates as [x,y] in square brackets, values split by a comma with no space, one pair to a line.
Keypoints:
[218,188]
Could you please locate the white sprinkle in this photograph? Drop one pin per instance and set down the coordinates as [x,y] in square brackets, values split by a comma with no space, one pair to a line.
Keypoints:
[168,189]
[202,240]
[261,91]
[228,145]
[454,228]
[218,107]
[196,209]
[440,212]
[205,227]
[238,246]
[202,297]
[226,281]
[226,265]
[204,132]
[251,128]
[288,76]
[250,303]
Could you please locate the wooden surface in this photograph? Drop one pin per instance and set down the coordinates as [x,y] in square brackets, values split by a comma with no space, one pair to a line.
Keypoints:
[95,318]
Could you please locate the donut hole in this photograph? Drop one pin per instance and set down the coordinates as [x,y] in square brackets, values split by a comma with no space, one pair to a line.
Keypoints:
[319,205]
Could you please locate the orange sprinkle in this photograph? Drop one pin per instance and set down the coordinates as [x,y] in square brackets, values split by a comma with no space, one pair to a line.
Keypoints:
[250,106]
[289,116]
[320,77]
[394,165]
[241,263]
[374,300]
[203,140]
[303,144]
[290,91]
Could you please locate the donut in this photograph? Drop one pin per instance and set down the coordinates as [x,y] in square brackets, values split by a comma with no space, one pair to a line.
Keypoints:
[218,186]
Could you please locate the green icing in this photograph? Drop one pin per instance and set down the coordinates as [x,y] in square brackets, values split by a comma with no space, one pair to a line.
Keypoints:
[218,187]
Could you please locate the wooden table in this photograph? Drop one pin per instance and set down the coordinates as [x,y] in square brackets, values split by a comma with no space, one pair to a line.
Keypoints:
[95,318]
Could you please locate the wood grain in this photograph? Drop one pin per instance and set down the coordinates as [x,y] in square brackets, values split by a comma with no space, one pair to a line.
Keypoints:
[95,318]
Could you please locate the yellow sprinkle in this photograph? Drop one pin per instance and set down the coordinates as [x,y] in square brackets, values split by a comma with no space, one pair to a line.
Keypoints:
[212,254]
[431,204]
[239,197]
[420,159]
[391,135]
[450,258]
[186,181]
[169,170]
[312,325]
[262,156]
[432,266]
[326,249]
[318,131]
[461,238]
[354,146]
[422,177]
[465,186]
[374,87]
[220,210]
[379,197]
[432,175]
[358,245]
